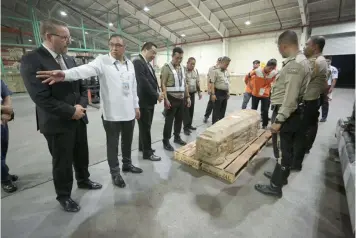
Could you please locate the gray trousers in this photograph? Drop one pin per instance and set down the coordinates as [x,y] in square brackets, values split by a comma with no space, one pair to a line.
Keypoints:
[246,99]
[113,130]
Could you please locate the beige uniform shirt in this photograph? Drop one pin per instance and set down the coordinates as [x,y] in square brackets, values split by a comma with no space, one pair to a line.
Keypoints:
[167,79]
[220,79]
[289,88]
[193,80]
[318,80]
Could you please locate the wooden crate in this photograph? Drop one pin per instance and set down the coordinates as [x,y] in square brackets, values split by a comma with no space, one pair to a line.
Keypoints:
[236,161]
[186,154]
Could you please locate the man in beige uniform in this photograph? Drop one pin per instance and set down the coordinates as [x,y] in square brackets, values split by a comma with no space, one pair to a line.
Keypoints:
[287,102]
[193,84]
[209,107]
[174,90]
[220,84]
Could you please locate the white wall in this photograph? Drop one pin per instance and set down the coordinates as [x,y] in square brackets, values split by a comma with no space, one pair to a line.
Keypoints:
[242,51]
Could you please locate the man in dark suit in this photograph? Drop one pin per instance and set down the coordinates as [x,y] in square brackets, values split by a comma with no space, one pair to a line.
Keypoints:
[60,112]
[148,94]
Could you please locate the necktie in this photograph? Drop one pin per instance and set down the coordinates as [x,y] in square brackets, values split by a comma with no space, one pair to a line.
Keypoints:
[60,61]
[150,67]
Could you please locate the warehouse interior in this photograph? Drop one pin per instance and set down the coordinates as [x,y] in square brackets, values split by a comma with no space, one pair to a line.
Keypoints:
[171,199]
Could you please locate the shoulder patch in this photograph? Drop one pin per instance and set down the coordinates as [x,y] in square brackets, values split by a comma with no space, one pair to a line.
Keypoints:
[292,70]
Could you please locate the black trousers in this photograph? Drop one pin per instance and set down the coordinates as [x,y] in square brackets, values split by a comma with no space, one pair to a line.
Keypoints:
[67,150]
[275,135]
[113,130]
[265,102]
[220,105]
[209,108]
[189,112]
[144,124]
[175,113]
[324,104]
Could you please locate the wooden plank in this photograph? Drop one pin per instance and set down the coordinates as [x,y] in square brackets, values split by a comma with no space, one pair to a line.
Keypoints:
[186,155]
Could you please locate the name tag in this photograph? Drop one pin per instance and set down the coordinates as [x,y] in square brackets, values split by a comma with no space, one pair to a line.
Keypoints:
[125,83]
[262,91]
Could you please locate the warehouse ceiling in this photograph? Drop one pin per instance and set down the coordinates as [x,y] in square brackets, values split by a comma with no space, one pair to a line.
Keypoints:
[173,21]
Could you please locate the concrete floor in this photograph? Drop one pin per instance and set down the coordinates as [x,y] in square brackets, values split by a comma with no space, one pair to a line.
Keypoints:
[170,199]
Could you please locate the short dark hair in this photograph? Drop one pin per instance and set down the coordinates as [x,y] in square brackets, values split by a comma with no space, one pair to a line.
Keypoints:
[49,26]
[191,58]
[319,41]
[177,50]
[288,37]
[148,46]
[329,57]
[225,59]
[256,62]
[272,62]
[114,36]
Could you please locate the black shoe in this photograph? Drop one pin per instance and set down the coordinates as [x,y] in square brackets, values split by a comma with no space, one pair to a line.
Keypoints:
[323,120]
[296,168]
[69,205]
[192,128]
[205,119]
[89,185]
[187,132]
[269,175]
[13,177]
[131,168]
[269,190]
[168,146]
[179,141]
[118,181]
[9,186]
[152,157]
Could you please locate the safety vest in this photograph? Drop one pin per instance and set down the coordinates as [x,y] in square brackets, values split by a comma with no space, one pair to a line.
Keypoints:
[179,85]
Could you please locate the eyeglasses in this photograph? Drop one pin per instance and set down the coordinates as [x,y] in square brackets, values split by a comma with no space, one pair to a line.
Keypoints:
[118,45]
[66,38]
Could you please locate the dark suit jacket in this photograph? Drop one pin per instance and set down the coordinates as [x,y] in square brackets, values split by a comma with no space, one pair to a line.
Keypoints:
[54,103]
[147,85]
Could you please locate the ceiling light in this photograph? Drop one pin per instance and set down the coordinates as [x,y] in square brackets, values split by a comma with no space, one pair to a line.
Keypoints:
[30,40]
[86,33]
[183,35]
[146,9]
[247,22]
[63,13]
[110,24]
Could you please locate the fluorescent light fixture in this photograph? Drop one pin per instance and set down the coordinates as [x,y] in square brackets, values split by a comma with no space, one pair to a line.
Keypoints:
[110,24]
[247,22]
[86,33]
[30,40]
[146,9]
[183,35]
[63,13]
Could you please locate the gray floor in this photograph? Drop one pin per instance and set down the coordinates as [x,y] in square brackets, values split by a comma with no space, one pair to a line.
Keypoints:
[170,199]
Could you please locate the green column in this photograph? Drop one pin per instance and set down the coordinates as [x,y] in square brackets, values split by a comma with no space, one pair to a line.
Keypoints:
[83,33]
[167,46]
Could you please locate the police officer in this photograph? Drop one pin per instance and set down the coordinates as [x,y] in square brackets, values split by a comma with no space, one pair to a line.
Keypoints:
[287,100]
[313,51]
[209,107]
[220,84]
[174,90]
[193,84]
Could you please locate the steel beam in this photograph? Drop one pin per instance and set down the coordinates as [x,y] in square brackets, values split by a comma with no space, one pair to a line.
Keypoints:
[304,12]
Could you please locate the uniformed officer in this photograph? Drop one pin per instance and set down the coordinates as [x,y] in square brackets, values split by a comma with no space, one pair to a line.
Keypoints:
[313,51]
[209,107]
[220,84]
[193,84]
[287,100]
[174,90]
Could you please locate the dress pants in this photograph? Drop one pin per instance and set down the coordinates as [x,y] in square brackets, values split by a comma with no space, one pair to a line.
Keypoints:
[175,113]
[246,99]
[275,144]
[220,105]
[4,148]
[264,107]
[144,124]
[113,130]
[189,112]
[324,103]
[69,149]
[209,108]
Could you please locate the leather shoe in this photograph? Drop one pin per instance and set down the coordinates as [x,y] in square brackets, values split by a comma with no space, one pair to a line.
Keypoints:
[131,168]
[168,146]
[187,132]
[69,205]
[118,181]
[179,141]
[88,184]
[152,158]
[192,128]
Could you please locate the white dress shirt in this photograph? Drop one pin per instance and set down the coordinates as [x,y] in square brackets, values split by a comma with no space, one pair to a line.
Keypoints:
[118,87]
[334,74]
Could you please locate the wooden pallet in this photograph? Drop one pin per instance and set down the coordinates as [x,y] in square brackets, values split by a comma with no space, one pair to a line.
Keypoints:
[236,161]
[185,154]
